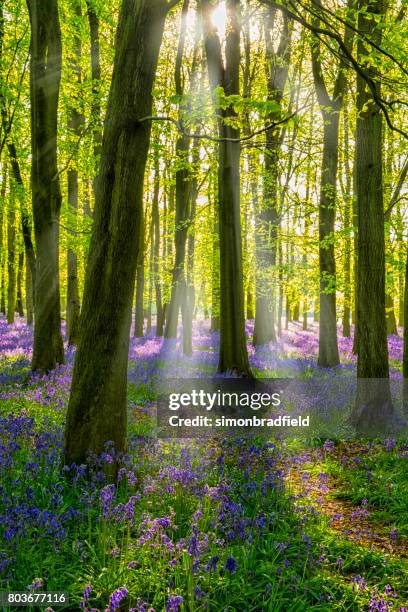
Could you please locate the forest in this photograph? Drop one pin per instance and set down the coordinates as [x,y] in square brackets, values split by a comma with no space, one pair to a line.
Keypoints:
[208,190]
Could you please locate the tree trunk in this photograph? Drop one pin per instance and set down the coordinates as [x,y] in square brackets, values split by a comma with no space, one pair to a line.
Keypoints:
[215,277]
[150,289]
[268,217]
[390,315]
[183,179]
[140,283]
[97,405]
[233,355]
[373,405]
[20,275]
[11,258]
[330,107]
[280,300]
[45,60]
[29,295]
[189,291]
[4,169]
[328,348]
[405,351]
[96,120]
[156,247]
[371,320]
[25,218]
[75,124]
[401,259]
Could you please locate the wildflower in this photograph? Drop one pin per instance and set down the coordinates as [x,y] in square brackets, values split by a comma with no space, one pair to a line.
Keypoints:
[107,495]
[394,534]
[212,564]
[116,597]
[198,592]
[359,583]
[86,595]
[173,603]
[36,584]
[328,446]
[231,564]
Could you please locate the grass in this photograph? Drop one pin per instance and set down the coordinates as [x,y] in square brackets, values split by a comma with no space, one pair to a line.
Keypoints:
[220,525]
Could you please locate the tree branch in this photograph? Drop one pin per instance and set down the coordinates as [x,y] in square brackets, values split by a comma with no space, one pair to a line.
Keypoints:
[198,136]
[395,198]
[381,103]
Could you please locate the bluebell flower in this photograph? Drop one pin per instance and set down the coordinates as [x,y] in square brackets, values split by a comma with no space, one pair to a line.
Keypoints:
[231,564]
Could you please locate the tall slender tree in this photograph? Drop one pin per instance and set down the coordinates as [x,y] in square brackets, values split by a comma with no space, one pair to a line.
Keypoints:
[373,408]
[268,216]
[233,354]
[183,185]
[45,76]
[97,405]
[75,124]
[330,107]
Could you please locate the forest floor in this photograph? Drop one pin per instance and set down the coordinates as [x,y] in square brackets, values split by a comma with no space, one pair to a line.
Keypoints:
[191,525]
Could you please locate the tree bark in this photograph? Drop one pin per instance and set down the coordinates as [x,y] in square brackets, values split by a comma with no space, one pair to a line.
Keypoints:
[45,75]
[96,120]
[371,321]
[75,124]
[373,408]
[29,295]
[330,107]
[150,289]
[405,350]
[156,247]
[140,284]
[25,219]
[97,410]
[11,259]
[183,178]
[2,238]
[189,291]
[215,277]
[20,275]
[233,354]
[328,348]
[348,223]
[268,217]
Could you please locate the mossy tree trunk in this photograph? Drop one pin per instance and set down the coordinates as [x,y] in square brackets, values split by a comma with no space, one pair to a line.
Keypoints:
[371,319]
[373,409]
[45,60]
[96,119]
[97,410]
[75,125]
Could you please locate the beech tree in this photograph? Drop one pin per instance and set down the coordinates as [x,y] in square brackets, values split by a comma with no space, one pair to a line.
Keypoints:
[224,74]
[97,405]
[268,216]
[45,75]
[330,107]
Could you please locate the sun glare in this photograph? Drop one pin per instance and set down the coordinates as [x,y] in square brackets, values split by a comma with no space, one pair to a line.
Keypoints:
[219,17]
